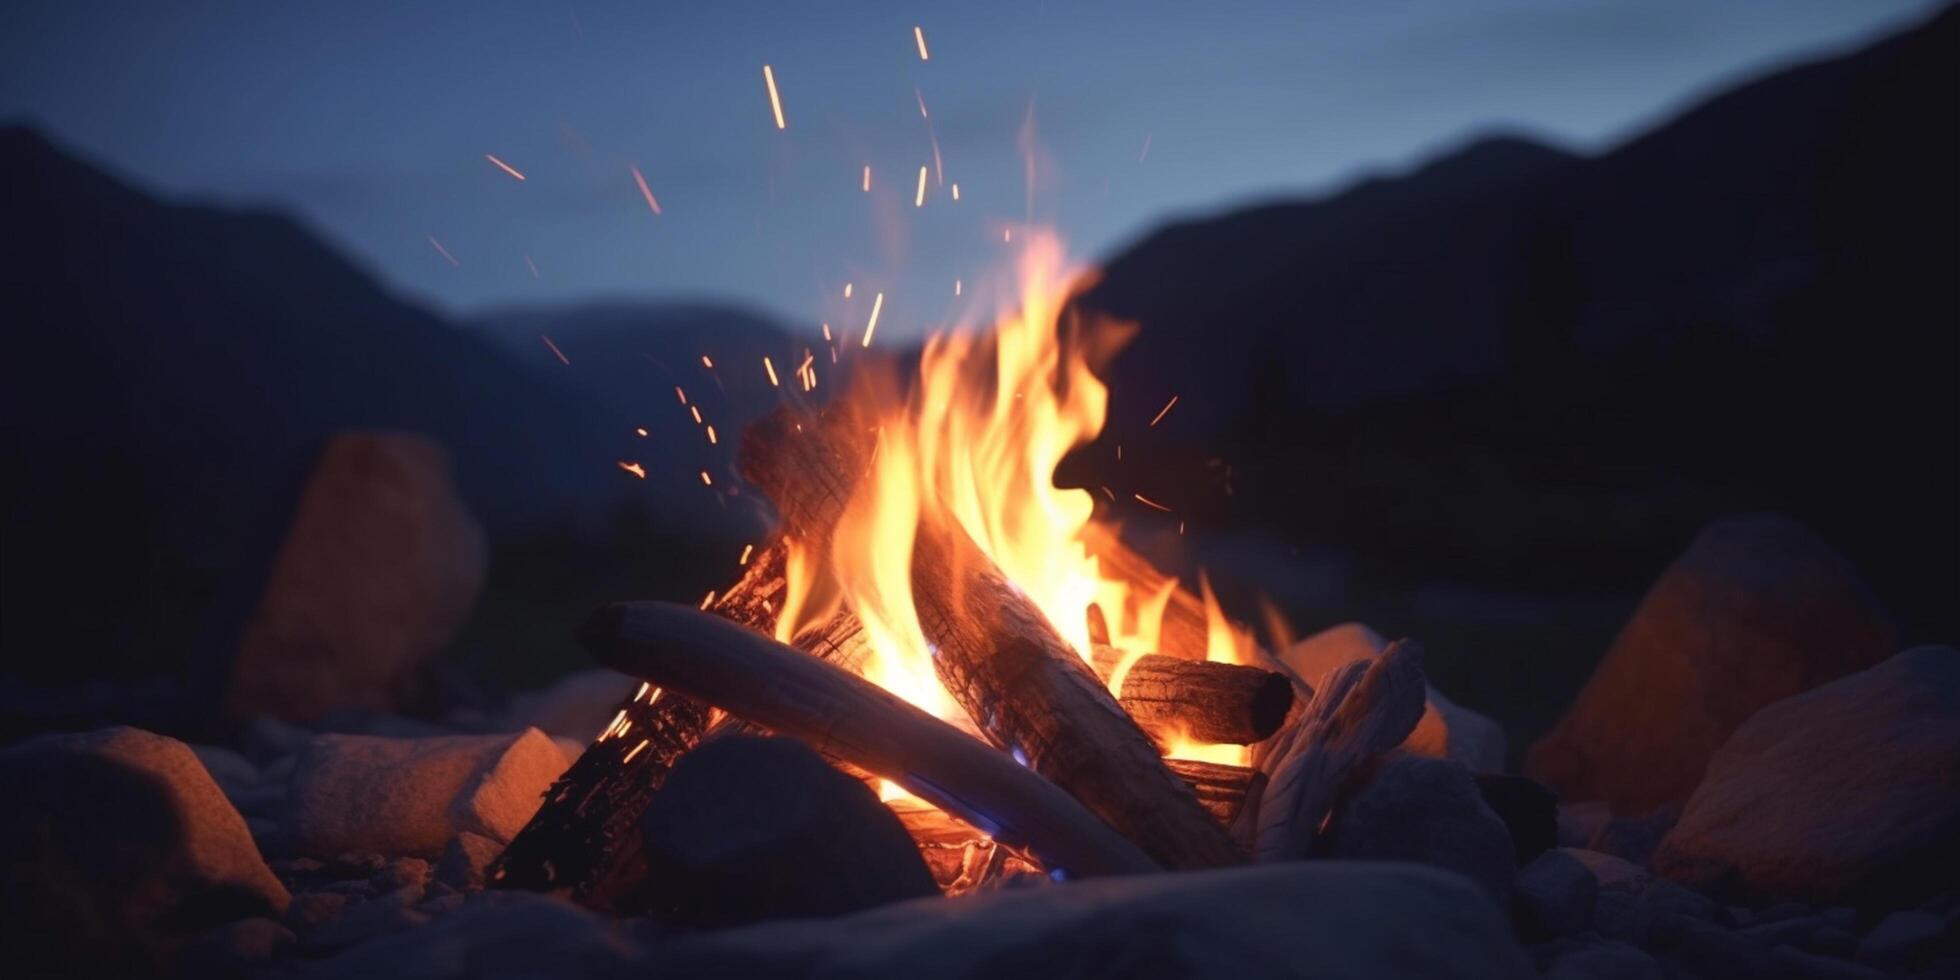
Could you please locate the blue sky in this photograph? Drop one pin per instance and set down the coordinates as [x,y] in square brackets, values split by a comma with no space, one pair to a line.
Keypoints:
[371,121]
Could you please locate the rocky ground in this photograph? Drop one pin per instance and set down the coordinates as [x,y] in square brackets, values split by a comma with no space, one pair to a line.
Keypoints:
[1754,784]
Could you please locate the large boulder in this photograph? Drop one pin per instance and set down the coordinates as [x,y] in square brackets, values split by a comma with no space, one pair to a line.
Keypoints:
[1447,730]
[1328,920]
[117,845]
[1758,609]
[1848,793]
[746,829]
[1415,808]
[401,796]
[381,565]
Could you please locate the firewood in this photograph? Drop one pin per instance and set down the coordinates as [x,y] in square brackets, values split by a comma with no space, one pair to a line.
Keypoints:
[998,657]
[1201,699]
[584,840]
[839,713]
[1184,632]
[1232,794]
[1360,710]
[962,858]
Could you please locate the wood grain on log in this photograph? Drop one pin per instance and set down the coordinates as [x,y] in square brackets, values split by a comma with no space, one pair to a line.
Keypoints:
[842,714]
[996,654]
[1200,699]
[1361,709]
[962,858]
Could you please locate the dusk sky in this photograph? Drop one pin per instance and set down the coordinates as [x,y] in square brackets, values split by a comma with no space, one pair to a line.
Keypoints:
[371,121]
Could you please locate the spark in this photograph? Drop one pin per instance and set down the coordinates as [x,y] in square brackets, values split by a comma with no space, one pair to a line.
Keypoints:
[867,178]
[554,349]
[637,749]
[1180,527]
[919,35]
[706,363]
[709,600]
[443,251]
[528,264]
[1007,234]
[808,359]
[872,327]
[833,354]
[1119,452]
[1147,502]
[706,480]
[1111,494]
[771,369]
[919,199]
[921,96]
[696,410]
[681,394]
[956,190]
[775,101]
[826,332]
[1146,148]
[633,468]
[613,724]
[847,289]
[1166,410]
[505,167]
[747,550]
[645,191]
[956,287]
[623,726]
[641,432]
[711,436]
[642,692]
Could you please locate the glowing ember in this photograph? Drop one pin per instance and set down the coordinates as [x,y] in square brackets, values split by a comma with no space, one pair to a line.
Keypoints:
[771,369]
[707,363]
[919,35]
[956,190]
[641,432]
[867,178]
[640,179]
[634,468]
[711,436]
[706,480]
[1166,410]
[872,327]
[775,101]
[847,290]
[919,199]
[451,259]
[554,349]
[747,550]
[682,395]
[1147,502]
[505,167]
[528,264]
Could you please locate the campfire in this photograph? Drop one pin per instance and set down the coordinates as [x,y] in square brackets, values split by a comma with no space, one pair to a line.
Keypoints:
[936,617]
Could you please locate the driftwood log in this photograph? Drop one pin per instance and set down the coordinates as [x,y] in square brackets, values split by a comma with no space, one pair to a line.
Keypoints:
[1201,699]
[998,657]
[962,859]
[1360,710]
[839,713]
[584,841]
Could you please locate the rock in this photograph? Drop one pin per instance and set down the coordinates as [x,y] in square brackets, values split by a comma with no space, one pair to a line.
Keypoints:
[1578,822]
[363,921]
[1612,872]
[1415,808]
[1810,966]
[1528,808]
[1757,610]
[1635,838]
[747,829]
[1447,730]
[236,949]
[1554,896]
[495,936]
[114,843]
[1702,949]
[1848,793]
[466,860]
[1607,960]
[380,566]
[1634,914]
[311,910]
[1301,919]
[411,796]
[1902,938]
[401,873]
[233,773]
[577,707]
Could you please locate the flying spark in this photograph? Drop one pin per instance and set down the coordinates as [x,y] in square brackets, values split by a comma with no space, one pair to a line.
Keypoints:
[1147,502]
[775,101]
[872,327]
[919,199]
[1146,148]
[706,480]
[634,468]
[641,432]
[554,349]
[747,550]
[682,395]
[709,600]
[956,287]
[706,363]
[640,179]
[637,749]
[826,332]
[956,191]
[867,178]
[505,167]
[919,35]
[847,290]
[1166,410]
[696,409]
[642,692]
[711,436]
[443,251]
[771,368]
[528,264]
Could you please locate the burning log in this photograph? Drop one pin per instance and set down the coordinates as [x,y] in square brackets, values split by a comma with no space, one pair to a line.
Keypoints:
[585,841]
[1202,699]
[842,714]
[997,655]
[962,858]
[1231,793]
[1184,633]
[1362,709]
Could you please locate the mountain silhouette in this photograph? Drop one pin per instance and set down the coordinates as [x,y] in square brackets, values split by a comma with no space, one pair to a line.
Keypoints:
[1527,369]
